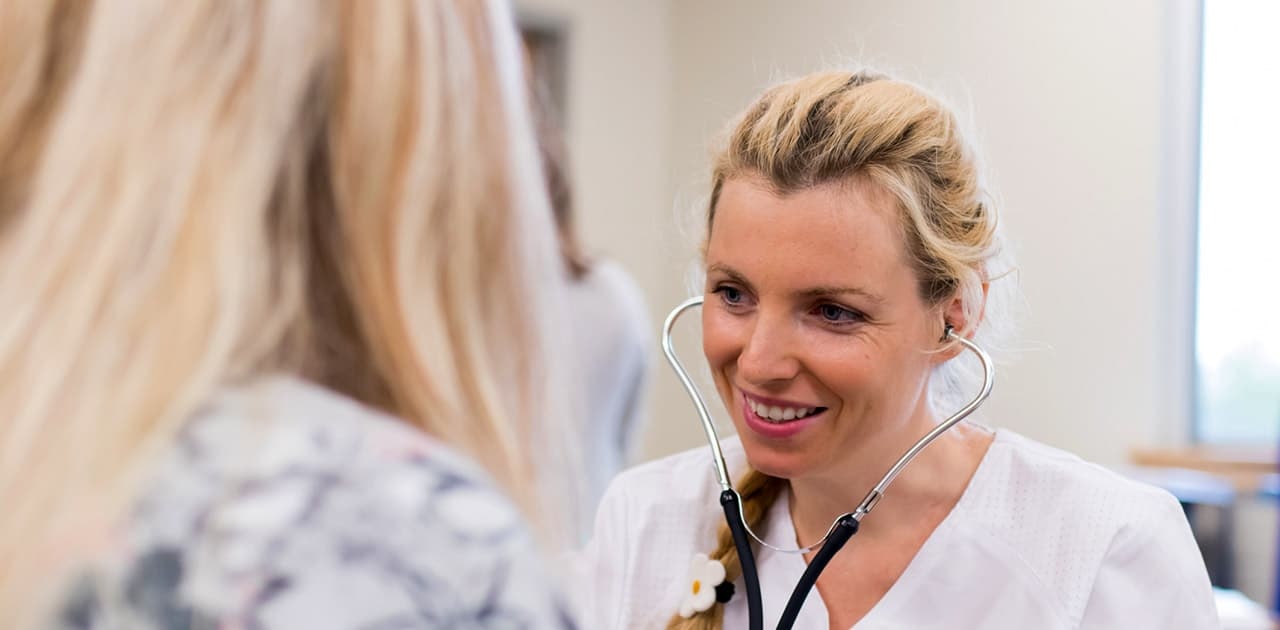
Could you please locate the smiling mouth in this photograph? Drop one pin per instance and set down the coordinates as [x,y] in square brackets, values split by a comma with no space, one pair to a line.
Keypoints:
[777,415]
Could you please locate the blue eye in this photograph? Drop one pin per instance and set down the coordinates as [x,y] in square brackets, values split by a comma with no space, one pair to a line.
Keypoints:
[730,295]
[838,315]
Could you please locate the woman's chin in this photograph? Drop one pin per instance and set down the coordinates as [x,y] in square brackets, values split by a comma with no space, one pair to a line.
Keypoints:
[771,460]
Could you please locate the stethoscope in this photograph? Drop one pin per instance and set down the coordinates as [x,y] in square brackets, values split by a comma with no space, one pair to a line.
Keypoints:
[844,527]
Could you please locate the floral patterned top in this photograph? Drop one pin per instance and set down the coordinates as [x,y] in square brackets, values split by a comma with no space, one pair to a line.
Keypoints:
[283,505]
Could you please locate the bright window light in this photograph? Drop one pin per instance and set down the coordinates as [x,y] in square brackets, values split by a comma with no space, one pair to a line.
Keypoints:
[1238,284]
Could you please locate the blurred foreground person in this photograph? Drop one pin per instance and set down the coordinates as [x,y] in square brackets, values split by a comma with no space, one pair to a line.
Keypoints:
[273,340]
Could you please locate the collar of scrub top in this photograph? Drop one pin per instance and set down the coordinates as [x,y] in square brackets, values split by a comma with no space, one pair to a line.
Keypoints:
[844,526]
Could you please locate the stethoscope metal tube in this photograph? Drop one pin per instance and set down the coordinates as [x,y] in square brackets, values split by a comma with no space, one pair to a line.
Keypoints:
[844,526]
[708,427]
[729,498]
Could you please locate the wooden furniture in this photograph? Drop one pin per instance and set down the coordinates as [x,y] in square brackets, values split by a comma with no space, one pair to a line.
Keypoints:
[1247,467]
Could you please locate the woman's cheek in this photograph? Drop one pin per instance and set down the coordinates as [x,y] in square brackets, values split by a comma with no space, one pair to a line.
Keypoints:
[722,339]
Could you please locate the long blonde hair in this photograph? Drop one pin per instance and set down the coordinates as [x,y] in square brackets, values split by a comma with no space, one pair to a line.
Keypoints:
[832,126]
[196,193]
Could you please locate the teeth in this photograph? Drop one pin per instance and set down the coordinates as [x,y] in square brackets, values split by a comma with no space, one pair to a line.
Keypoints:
[779,414]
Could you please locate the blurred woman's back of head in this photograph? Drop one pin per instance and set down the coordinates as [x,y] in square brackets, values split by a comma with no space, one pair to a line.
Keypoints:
[195,193]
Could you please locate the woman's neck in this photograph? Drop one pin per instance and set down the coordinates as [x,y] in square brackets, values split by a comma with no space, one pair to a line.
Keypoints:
[934,480]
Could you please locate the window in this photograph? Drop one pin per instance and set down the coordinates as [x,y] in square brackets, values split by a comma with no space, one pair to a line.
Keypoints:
[1238,277]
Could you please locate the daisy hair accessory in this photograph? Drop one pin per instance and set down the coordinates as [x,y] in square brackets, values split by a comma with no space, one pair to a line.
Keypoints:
[706,586]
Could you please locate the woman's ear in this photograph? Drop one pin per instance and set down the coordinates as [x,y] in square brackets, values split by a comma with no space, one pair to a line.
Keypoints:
[953,315]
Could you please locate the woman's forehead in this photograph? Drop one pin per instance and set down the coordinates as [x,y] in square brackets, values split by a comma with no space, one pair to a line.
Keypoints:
[829,232]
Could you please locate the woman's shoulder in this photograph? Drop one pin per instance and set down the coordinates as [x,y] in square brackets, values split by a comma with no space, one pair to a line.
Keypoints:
[1063,519]
[675,499]
[1028,487]
[1032,471]
[652,520]
[679,480]
[286,505]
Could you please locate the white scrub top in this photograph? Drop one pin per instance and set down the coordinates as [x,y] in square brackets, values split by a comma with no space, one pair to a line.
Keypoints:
[1039,539]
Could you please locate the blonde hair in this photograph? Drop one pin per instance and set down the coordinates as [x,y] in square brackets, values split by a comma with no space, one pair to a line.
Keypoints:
[834,126]
[197,193]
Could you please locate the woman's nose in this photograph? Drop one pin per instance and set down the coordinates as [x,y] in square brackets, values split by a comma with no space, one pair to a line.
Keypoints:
[769,356]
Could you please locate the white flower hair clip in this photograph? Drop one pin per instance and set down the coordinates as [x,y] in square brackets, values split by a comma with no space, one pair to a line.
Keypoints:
[706,586]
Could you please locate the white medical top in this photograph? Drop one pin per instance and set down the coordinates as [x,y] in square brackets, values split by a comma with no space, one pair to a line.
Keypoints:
[1039,539]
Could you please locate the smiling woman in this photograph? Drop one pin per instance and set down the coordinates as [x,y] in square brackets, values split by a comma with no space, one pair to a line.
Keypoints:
[848,230]
[818,315]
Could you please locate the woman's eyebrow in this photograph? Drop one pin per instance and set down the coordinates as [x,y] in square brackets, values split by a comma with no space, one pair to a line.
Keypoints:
[828,291]
[731,273]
